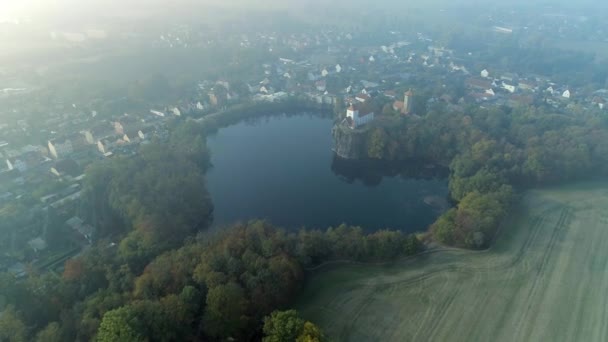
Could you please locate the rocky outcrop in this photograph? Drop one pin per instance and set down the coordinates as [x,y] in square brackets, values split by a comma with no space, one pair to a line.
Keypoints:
[350,143]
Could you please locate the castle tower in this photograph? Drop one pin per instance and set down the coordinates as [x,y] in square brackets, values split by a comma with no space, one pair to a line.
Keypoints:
[407,102]
[352,113]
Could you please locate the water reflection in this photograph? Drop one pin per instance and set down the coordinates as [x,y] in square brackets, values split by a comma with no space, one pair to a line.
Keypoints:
[372,172]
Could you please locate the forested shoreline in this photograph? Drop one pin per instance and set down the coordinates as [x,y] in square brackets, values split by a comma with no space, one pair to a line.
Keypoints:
[491,153]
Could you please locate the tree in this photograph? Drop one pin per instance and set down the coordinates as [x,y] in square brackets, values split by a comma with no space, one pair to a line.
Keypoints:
[119,325]
[12,329]
[226,311]
[51,333]
[288,326]
[282,326]
[377,143]
[310,333]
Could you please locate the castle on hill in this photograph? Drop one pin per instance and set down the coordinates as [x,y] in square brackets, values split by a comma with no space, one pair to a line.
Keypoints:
[358,115]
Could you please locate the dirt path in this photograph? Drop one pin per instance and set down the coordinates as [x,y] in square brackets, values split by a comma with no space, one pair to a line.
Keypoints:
[546,279]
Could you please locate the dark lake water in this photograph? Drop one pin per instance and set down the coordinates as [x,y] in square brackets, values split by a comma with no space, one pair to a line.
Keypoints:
[282,168]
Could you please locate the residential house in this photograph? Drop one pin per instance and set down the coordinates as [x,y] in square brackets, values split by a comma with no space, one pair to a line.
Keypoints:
[362,97]
[66,167]
[508,87]
[478,83]
[59,148]
[16,163]
[98,132]
[84,230]
[321,85]
[566,94]
[485,73]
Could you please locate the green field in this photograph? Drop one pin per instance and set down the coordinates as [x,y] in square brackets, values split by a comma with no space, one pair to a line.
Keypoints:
[545,279]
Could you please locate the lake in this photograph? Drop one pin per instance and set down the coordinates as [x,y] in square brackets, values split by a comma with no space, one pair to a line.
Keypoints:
[282,168]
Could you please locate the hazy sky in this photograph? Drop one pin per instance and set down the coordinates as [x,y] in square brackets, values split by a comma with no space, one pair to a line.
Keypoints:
[55,8]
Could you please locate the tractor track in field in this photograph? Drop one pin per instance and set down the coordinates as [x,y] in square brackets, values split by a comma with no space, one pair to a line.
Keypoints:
[545,279]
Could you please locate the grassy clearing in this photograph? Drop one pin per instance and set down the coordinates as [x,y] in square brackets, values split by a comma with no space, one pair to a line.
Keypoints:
[545,279]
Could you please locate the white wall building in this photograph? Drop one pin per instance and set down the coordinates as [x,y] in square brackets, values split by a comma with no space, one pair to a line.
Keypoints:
[358,118]
[16,164]
[60,148]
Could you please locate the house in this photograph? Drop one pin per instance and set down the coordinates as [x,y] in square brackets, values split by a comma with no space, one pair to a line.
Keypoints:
[157,113]
[391,94]
[599,101]
[176,111]
[84,230]
[566,94]
[125,123]
[145,133]
[321,85]
[338,68]
[103,146]
[37,244]
[213,99]
[478,83]
[324,73]
[15,163]
[508,87]
[60,148]
[527,85]
[485,73]
[362,97]
[358,115]
[66,167]
[509,77]
[99,131]
[490,92]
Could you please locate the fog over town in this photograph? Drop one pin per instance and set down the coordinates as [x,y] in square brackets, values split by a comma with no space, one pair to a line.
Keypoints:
[303,170]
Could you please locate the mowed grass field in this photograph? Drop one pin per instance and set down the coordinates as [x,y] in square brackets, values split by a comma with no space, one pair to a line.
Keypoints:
[545,279]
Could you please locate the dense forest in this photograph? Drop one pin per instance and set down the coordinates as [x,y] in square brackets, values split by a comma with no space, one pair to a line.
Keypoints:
[491,152]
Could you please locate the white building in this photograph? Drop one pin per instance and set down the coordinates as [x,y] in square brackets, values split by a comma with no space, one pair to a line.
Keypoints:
[485,73]
[566,94]
[508,87]
[16,164]
[358,118]
[338,68]
[59,148]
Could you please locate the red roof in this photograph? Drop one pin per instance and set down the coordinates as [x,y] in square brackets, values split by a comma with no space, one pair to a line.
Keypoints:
[478,83]
[363,96]
[398,105]
[409,93]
